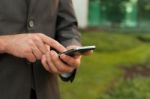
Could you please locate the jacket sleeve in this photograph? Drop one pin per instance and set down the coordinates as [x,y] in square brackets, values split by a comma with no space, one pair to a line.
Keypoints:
[66,29]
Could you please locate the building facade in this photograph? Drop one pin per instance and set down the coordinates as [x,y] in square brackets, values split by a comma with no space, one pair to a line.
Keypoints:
[81,10]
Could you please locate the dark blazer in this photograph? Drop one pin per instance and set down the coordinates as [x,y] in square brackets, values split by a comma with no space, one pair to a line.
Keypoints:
[54,18]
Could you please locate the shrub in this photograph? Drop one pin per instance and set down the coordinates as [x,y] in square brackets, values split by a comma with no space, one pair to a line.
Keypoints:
[144,38]
[136,88]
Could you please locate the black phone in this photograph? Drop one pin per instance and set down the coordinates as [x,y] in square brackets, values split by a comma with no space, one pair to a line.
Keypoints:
[79,50]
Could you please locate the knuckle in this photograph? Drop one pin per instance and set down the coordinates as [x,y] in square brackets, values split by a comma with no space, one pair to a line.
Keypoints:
[39,56]
[60,68]
[31,59]
[64,69]
[27,51]
[54,58]
[36,38]
[31,43]
[53,70]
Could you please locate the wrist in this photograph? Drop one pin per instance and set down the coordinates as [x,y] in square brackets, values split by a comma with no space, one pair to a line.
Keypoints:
[3,44]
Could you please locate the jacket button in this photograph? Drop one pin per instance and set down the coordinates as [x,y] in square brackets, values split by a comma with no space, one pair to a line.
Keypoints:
[31,24]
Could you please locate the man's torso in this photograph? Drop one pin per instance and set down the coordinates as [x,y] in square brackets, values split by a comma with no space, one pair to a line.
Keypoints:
[17,76]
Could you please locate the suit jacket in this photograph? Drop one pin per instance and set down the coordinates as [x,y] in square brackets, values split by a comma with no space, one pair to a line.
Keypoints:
[56,19]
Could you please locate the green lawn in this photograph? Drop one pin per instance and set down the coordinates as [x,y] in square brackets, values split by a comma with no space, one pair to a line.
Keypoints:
[99,71]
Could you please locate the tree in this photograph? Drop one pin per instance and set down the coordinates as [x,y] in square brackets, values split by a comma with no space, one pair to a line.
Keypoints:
[114,10]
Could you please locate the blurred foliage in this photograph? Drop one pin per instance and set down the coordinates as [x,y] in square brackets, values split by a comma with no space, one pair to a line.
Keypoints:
[144,9]
[110,42]
[113,8]
[136,88]
[99,71]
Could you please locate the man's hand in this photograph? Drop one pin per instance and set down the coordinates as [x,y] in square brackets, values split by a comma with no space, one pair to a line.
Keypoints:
[63,64]
[30,46]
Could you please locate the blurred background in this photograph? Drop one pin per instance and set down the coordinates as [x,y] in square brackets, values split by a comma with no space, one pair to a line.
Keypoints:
[120,65]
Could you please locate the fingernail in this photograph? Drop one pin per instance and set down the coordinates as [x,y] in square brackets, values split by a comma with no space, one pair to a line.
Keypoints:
[62,56]
[52,52]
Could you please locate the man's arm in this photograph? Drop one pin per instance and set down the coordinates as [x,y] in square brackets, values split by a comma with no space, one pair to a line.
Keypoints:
[67,31]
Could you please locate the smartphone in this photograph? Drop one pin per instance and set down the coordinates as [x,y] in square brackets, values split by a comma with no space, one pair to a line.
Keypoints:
[79,50]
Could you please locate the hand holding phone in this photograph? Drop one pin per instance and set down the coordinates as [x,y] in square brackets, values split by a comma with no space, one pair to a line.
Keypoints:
[74,52]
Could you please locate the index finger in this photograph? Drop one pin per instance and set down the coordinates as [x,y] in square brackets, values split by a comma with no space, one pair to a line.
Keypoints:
[52,43]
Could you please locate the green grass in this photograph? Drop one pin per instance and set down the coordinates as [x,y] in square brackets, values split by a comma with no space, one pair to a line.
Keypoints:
[110,42]
[98,71]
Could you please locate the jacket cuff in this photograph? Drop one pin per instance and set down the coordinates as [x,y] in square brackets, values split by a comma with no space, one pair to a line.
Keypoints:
[68,76]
